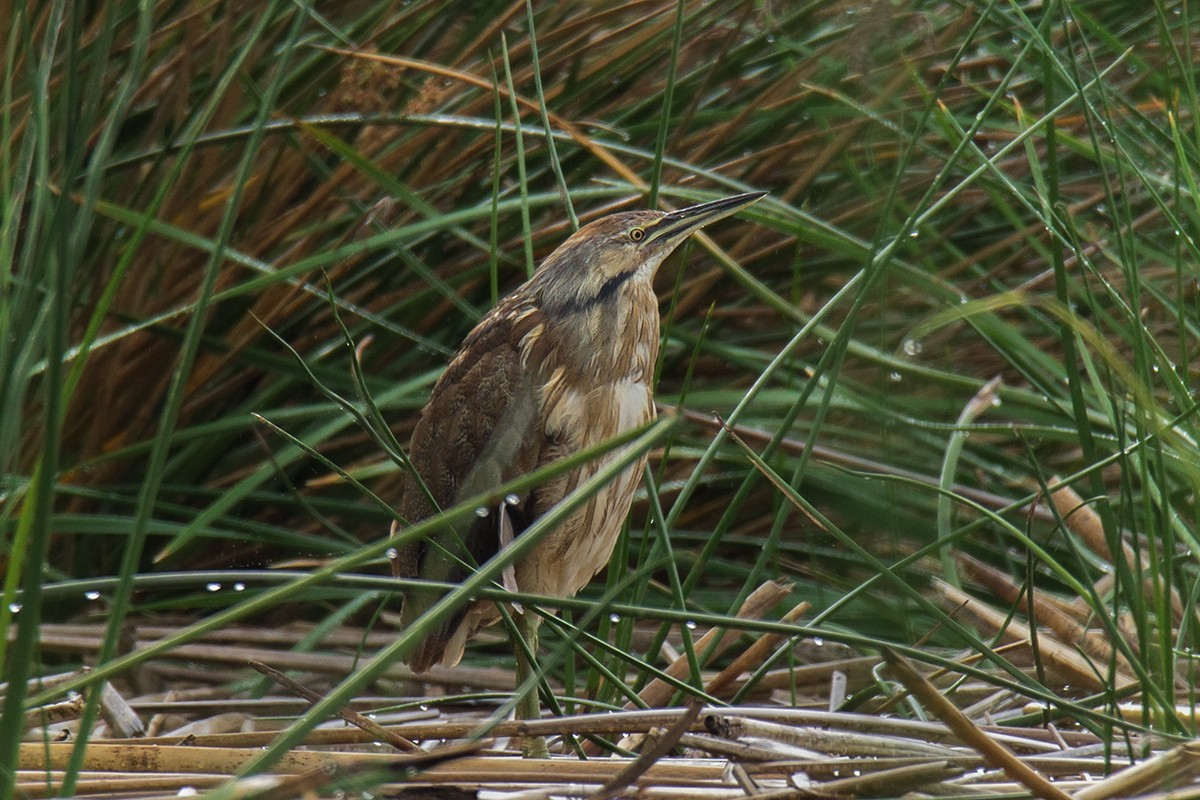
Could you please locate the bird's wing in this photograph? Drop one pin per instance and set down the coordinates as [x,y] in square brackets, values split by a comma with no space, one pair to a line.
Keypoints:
[480,429]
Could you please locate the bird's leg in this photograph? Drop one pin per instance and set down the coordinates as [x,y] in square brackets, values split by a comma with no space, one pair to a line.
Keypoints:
[508,577]
[529,706]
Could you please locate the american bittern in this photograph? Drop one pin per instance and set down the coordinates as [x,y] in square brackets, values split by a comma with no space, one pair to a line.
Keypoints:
[563,363]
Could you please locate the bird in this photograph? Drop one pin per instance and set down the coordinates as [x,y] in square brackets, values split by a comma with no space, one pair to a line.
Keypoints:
[564,362]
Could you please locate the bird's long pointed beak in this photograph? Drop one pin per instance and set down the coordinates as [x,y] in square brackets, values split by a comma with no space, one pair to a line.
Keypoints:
[678,225]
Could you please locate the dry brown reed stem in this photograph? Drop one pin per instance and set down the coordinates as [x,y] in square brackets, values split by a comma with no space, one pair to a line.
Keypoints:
[271,705]
[1136,712]
[228,722]
[140,758]
[116,713]
[966,659]
[829,769]
[893,782]
[55,712]
[324,663]
[1175,768]
[657,692]
[348,714]
[1034,740]
[49,681]
[1187,713]
[34,785]
[736,751]
[1082,520]
[754,655]
[842,743]
[790,793]
[1061,660]
[817,676]
[114,710]
[968,731]
[288,635]
[660,746]
[1046,611]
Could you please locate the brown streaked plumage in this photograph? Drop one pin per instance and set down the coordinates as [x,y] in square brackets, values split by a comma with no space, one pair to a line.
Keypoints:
[563,363]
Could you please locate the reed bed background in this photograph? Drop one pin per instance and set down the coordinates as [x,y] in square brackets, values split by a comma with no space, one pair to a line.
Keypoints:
[974,281]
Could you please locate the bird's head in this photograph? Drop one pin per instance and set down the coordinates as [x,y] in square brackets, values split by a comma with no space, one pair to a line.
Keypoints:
[591,266]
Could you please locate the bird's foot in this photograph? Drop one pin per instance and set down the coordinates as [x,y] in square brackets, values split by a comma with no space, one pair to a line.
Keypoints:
[534,747]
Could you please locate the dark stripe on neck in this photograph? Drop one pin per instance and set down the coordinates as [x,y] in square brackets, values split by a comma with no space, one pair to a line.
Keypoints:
[606,292]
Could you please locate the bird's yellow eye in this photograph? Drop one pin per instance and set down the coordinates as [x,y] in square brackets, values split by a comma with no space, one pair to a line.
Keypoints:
[637,234]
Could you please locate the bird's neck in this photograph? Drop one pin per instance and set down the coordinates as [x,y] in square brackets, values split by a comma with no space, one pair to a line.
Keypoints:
[613,341]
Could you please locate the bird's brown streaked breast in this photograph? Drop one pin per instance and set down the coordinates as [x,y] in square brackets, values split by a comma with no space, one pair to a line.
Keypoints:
[581,546]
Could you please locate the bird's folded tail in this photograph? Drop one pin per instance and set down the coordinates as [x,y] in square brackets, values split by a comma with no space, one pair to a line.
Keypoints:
[444,644]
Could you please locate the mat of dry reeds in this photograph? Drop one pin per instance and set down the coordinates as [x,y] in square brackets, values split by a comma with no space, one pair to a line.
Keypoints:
[966,730]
